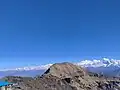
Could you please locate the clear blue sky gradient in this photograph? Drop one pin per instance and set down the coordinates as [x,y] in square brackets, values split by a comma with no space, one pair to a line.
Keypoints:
[48,31]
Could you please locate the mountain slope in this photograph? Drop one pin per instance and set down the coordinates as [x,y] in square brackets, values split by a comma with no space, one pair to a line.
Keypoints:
[65,76]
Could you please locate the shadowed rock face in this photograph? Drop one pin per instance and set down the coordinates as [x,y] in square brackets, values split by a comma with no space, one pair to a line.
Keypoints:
[66,76]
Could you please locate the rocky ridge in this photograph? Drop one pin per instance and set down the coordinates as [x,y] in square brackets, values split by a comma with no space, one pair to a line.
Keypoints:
[66,76]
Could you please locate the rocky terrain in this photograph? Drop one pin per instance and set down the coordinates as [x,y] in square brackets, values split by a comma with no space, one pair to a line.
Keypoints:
[65,76]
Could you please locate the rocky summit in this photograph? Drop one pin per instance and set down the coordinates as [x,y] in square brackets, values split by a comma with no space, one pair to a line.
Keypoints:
[65,76]
[63,70]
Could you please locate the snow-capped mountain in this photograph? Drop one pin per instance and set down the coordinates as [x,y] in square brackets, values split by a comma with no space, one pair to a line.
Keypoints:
[41,67]
[105,62]
[104,65]
[30,71]
[109,67]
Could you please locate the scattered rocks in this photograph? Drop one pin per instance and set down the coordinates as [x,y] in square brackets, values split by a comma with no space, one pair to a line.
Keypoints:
[66,76]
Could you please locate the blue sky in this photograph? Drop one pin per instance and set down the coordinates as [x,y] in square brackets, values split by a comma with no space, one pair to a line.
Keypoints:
[48,31]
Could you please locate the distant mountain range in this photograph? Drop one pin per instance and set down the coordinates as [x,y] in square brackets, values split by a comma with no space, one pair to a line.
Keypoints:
[105,66]
[105,62]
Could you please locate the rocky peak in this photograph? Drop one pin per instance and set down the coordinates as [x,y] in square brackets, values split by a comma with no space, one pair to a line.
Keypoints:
[65,70]
[66,76]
